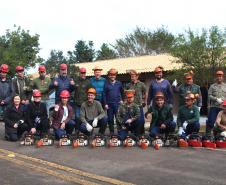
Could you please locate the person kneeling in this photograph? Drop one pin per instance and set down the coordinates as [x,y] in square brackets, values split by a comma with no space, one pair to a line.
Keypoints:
[14,118]
[37,116]
[62,116]
[92,114]
[128,117]
[162,117]
[188,117]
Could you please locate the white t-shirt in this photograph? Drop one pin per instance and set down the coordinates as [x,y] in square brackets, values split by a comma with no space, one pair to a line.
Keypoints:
[65,114]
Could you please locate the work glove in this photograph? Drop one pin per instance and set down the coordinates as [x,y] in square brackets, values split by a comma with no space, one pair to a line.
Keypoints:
[180,131]
[185,125]
[56,107]
[89,127]
[95,121]
[174,83]
[199,108]
[223,133]
[219,100]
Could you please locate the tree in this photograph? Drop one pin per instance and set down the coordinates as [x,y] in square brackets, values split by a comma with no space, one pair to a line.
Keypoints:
[18,47]
[142,42]
[52,63]
[83,52]
[202,53]
[105,53]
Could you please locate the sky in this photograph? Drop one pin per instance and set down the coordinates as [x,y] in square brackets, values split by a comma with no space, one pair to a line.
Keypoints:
[60,23]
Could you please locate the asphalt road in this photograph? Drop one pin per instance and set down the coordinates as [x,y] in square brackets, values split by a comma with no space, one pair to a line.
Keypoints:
[121,165]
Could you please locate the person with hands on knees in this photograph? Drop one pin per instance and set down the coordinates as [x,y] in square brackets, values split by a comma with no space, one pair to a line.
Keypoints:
[62,116]
[220,124]
[162,117]
[188,87]
[113,92]
[37,117]
[216,94]
[92,114]
[15,120]
[128,117]
[62,82]
[188,117]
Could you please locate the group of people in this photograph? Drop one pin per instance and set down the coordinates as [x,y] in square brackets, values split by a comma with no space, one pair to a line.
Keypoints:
[98,102]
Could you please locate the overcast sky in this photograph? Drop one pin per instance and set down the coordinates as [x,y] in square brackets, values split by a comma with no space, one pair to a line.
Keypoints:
[60,23]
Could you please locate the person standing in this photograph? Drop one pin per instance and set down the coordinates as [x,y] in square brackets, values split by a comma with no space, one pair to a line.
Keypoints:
[216,94]
[62,82]
[113,92]
[42,83]
[159,84]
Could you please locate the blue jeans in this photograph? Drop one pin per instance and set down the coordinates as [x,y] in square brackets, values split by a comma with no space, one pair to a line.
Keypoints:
[69,127]
[170,127]
[102,124]
[77,111]
[111,112]
[212,116]
[141,119]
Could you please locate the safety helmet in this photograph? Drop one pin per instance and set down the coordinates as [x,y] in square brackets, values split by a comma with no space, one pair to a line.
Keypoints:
[63,66]
[4,68]
[97,68]
[82,70]
[19,68]
[130,93]
[42,68]
[188,75]
[64,94]
[219,73]
[92,91]
[36,93]
[159,94]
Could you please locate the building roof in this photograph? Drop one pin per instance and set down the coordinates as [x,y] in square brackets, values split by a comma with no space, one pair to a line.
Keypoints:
[141,64]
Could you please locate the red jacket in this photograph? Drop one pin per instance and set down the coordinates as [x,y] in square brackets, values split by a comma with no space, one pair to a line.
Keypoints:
[58,115]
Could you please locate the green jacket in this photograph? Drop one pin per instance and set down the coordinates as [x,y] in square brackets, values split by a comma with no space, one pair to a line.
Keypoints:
[159,116]
[43,86]
[140,91]
[216,91]
[81,87]
[190,115]
[126,112]
[184,89]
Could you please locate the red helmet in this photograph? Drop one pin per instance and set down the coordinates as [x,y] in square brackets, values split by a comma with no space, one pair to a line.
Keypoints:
[64,94]
[36,93]
[19,68]
[42,69]
[63,66]
[82,70]
[4,68]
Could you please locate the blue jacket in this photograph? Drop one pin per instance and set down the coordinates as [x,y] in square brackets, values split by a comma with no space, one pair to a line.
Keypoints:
[63,84]
[112,92]
[99,86]
[6,91]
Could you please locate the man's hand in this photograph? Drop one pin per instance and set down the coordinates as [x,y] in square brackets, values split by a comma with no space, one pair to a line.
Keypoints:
[95,121]
[62,126]
[163,126]
[55,83]
[89,127]
[106,107]
[72,82]
[180,131]
[185,125]
[33,130]
[2,102]
[15,125]
[219,101]
[56,107]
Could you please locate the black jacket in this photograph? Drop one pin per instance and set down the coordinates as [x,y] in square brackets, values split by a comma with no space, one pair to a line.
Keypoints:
[12,116]
[36,110]
[6,91]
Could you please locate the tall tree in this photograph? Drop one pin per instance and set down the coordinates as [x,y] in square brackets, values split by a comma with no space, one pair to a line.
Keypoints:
[82,52]
[202,53]
[18,47]
[105,53]
[55,59]
[142,42]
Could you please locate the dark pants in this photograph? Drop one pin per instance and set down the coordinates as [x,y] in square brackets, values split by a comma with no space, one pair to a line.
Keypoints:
[69,127]
[43,127]
[111,112]
[141,120]
[135,128]
[156,130]
[102,124]
[192,128]
[211,118]
[16,133]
